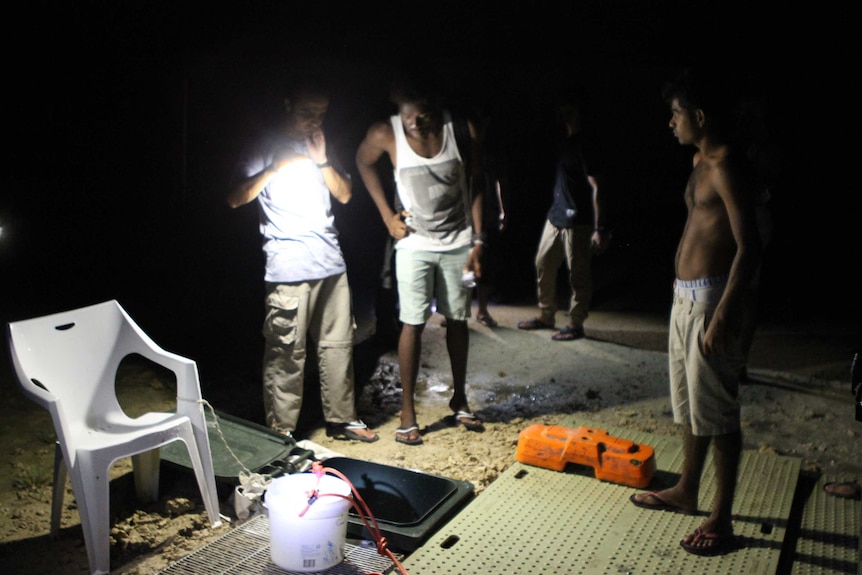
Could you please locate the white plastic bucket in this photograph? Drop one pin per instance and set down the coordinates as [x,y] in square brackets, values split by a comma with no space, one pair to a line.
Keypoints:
[314,541]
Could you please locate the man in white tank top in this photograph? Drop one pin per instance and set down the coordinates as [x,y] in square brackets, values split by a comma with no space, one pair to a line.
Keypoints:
[437,234]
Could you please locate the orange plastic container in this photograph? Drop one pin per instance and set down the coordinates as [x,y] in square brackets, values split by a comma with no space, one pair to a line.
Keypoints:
[614,459]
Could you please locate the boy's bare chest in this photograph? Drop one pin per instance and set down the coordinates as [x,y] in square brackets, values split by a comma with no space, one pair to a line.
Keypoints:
[699,191]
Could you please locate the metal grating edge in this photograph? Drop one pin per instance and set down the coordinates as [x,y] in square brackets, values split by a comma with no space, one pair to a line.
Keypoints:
[245,551]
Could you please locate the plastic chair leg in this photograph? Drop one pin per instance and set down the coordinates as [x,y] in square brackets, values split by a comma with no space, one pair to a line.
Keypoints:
[91,484]
[203,466]
[59,490]
[146,471]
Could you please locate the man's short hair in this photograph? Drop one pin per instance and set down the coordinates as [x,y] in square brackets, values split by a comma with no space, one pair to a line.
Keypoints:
[306,86]
[418,85]
[710,90]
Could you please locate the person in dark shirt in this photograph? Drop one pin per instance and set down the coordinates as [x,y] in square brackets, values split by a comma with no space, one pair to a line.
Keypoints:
[574,230]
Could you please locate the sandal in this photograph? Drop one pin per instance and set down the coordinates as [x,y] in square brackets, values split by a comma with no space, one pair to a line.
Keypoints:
[708,543]
[348,431]
[469,420]
[534,323]
[486,320]
[568,333]
[657,503]
[408,438]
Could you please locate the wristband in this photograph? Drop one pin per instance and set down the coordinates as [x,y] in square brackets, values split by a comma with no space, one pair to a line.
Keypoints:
[325,164]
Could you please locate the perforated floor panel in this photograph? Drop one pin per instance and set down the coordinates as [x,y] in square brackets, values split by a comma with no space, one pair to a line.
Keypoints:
[533,521]
[828,541]
[245,551]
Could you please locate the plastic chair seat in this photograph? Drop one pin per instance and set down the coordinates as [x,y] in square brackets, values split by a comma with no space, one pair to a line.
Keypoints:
[115,430]
[67,363]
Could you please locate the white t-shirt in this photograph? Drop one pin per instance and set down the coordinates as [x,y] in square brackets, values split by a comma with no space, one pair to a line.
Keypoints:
[299,235]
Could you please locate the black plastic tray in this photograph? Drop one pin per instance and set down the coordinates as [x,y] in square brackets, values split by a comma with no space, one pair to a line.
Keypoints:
[409,506]
[258,448]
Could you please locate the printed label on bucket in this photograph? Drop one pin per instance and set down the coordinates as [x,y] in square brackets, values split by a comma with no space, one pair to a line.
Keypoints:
[320,556]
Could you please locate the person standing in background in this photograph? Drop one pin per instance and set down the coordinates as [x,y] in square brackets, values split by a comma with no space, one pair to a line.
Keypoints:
[574,230]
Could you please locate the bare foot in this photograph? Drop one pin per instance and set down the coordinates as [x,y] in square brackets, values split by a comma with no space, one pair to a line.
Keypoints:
[846,489]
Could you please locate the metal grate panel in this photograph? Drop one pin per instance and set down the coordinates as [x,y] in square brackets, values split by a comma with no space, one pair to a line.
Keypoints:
[828,540]
[245,551]
[533,521]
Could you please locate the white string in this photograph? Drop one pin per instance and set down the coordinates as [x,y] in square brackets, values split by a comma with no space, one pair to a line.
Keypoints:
[249,492]
[221,435]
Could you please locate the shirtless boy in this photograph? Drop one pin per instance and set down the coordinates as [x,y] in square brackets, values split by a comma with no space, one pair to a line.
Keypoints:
[715,260]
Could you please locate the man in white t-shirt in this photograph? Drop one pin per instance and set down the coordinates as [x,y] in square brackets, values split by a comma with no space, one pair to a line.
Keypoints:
[308,297]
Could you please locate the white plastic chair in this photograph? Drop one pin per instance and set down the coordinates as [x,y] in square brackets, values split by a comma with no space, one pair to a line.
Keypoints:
[67,363]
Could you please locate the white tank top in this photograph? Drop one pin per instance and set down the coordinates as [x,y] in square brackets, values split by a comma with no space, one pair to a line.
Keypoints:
[434,192]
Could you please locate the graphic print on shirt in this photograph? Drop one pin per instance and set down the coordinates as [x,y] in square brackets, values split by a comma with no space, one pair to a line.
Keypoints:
[438,211]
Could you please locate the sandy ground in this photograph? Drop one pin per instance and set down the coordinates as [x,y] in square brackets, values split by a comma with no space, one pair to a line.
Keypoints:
[798,404]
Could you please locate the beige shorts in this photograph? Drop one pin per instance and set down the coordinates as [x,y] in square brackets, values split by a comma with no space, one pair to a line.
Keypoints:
[704,389]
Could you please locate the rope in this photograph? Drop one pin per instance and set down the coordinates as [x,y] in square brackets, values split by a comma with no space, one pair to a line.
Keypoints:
[224,439]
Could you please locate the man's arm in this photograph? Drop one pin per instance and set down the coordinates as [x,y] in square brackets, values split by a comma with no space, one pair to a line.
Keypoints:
[740,212]
[599,239]
[340,187]
[379,140]
[499,185]
[476,182]
[249,188]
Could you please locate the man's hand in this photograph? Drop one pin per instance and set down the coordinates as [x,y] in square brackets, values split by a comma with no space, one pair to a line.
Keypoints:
[474,260]
[316,143]
[598,242]
[714,339]
[397,228]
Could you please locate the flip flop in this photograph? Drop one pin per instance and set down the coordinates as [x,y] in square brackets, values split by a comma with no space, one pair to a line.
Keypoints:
[486,320]
[399,431]
[718,543]
[534,323]
[568,333]
[660,505]
[476,424]
[348,431]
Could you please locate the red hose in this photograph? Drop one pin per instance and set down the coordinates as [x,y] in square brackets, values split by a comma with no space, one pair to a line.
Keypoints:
[361,508]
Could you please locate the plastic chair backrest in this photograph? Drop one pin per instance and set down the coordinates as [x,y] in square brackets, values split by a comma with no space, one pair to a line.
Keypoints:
[67,362]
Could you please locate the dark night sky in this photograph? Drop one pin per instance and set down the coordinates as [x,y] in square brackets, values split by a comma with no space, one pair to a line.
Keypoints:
[128,118]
